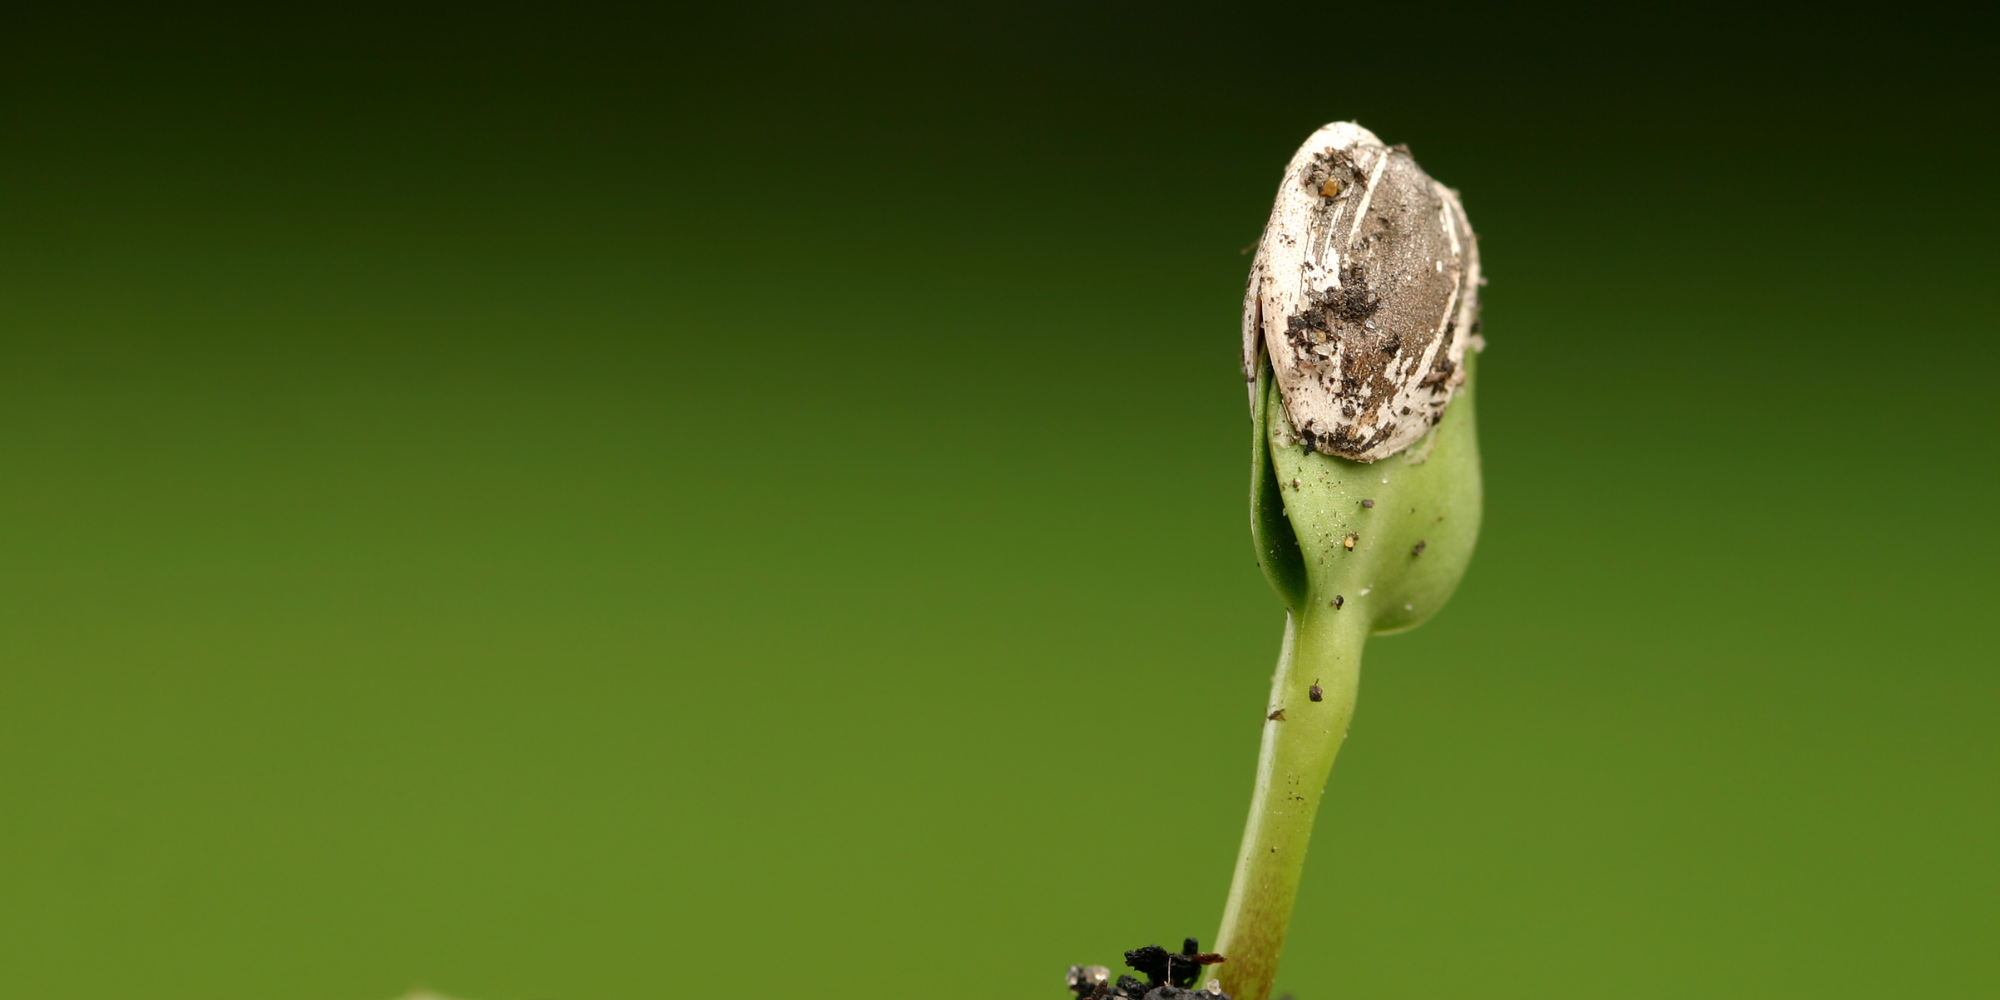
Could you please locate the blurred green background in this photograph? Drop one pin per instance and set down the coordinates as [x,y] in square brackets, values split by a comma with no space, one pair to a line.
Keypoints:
[541,502]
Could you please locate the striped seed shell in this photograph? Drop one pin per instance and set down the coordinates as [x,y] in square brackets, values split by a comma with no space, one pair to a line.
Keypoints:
[1365,294]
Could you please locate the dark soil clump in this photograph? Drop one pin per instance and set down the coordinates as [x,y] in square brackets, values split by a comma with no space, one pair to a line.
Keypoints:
[1169,976]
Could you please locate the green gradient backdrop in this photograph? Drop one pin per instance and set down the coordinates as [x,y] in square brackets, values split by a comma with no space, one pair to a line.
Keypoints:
[559,508]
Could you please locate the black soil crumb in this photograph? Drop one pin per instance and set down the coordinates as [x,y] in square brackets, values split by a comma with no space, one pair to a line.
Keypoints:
[1418,549]
[1371,503]
[1336,603]
[1169,975]
[1316,694]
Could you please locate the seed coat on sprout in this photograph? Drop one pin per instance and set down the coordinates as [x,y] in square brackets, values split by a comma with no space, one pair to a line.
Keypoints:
[1366,275]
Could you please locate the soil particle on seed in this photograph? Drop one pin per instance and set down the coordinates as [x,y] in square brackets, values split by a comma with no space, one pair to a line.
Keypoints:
[1348,542]
[1315,693]
[1336,165]
[1368,503]
[1336,603]
[1418,549]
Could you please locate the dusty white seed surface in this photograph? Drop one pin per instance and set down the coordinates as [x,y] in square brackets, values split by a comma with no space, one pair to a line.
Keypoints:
[1365,291]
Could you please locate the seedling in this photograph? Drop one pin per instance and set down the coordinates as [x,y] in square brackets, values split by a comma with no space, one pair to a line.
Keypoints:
[1359,329]
[1361,308]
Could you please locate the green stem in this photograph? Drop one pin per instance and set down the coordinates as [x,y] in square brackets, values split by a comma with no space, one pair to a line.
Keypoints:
[1353,549]
[1292,768]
